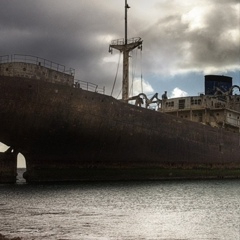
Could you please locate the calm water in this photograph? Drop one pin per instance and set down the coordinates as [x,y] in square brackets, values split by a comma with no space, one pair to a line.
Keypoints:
[122,210]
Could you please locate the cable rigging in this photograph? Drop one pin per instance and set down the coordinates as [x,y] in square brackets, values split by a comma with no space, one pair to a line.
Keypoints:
[133,70]
[134,67]
[141,73]
[116,73]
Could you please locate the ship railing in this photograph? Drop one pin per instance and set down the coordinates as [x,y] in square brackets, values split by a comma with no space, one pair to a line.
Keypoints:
[4,59]
[121,41]
[38,61]
[88,86]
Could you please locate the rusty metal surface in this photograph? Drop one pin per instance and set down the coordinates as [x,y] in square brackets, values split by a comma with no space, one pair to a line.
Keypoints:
[60,127]
[8,166]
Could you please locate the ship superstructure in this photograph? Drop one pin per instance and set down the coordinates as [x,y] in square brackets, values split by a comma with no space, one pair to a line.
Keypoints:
[218,107]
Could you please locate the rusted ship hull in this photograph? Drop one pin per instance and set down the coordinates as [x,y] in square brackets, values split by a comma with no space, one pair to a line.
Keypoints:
[8,166]
[69,134]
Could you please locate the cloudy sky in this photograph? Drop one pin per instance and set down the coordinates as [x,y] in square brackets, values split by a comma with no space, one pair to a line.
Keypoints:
[182,40]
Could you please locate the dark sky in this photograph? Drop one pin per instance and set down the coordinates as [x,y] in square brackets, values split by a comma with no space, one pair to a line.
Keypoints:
[183,40]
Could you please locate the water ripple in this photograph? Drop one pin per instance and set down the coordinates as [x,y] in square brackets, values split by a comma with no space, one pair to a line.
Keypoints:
[198,210]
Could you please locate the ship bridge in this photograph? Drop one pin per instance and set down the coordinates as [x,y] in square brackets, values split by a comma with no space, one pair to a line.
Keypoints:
[216,111]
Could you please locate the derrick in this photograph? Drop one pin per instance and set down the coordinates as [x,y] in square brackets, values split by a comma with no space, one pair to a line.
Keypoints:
[125,46]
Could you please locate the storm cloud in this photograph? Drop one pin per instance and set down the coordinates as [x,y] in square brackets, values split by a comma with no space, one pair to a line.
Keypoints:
[200,37]
[179,36]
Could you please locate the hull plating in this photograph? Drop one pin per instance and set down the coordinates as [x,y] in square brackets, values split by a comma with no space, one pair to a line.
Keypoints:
[71,134]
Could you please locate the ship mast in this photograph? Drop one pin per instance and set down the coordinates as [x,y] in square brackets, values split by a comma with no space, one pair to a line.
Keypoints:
[126,46]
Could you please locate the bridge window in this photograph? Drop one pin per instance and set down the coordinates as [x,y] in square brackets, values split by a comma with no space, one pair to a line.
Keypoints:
[196,102]
[181,104]
[170,104]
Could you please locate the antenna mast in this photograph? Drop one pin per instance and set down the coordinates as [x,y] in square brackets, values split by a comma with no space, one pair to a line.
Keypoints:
[126,46]
[126,8]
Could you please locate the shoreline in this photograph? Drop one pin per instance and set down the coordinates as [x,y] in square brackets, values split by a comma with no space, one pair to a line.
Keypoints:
[2,237]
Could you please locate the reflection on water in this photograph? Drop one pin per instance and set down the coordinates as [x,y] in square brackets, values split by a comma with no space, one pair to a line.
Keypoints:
[122,210]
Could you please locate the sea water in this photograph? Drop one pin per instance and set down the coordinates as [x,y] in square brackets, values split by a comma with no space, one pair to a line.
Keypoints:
[169,210]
